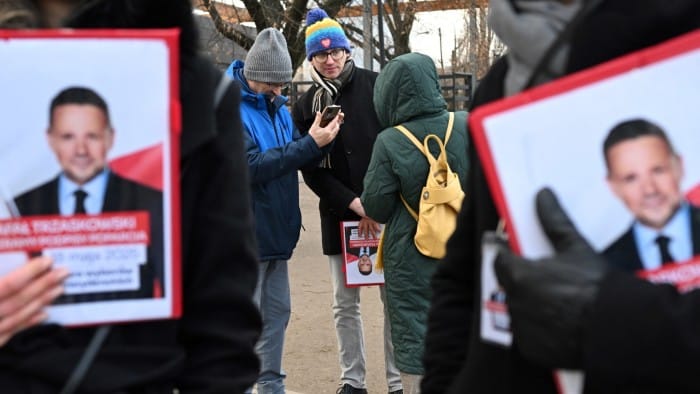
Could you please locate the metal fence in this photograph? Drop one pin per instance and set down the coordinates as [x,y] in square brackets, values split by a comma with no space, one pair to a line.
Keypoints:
[296,90]
[457,89]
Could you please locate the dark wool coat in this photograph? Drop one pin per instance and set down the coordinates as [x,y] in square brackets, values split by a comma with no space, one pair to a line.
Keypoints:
[337,186]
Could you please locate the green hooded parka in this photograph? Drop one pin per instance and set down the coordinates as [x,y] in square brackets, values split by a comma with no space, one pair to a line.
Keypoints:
[407,92]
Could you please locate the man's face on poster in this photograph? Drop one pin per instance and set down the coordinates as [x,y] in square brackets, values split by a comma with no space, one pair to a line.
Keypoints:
[646,175]
[80,136]
[364,265]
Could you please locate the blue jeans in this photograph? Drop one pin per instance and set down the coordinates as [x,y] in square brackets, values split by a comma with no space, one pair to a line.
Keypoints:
[348,328]
[273,299]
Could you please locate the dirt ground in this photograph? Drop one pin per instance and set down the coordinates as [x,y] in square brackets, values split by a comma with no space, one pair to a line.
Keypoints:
[311,350]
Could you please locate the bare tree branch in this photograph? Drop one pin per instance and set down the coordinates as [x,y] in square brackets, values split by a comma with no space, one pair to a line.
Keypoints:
[227,29]
[288,15]
[479,46]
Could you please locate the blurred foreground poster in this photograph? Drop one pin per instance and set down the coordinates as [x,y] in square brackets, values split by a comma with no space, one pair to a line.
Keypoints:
[89,157]
[618,145]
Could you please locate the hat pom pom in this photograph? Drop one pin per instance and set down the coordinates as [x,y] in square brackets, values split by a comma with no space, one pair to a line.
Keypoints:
[315,15]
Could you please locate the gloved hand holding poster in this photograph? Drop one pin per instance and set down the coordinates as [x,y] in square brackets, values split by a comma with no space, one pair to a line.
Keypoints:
[618,145]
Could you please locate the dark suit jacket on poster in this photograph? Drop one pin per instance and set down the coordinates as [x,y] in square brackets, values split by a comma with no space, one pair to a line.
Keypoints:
[623,254]
[121,195]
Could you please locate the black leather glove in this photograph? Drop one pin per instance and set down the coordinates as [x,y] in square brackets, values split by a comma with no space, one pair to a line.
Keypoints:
[549,299]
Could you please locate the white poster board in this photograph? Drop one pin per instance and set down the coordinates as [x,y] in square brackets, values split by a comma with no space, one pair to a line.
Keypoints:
[123,264]
[553,136]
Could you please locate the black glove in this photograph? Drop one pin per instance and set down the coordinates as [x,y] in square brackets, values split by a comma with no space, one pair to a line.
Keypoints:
[549,299]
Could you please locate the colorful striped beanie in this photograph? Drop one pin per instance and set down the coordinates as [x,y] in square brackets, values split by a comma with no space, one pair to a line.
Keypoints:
[323,33]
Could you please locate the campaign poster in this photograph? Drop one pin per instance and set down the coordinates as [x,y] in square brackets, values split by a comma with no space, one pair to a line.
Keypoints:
[617,144]
[360,257]
[89,152]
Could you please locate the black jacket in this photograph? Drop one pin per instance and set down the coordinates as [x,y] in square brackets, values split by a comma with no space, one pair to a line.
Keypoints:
[211,348]
[455,356]
[457,361]
[339,185]
[643,338]
[618,27]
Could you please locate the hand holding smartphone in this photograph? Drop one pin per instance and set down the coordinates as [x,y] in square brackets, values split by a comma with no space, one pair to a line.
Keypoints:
[329,113]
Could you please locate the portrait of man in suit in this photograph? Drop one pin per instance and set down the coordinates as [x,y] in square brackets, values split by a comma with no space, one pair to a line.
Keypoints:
[364,262]
[645,172]
[80,134]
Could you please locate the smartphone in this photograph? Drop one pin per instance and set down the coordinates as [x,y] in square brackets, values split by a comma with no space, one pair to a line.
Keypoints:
[329,113]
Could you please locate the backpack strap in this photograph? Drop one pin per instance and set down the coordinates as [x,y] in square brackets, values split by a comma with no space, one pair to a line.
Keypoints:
[408,208]
[416,142]
[424,150]
[410,136]
[418,145]
[448,131]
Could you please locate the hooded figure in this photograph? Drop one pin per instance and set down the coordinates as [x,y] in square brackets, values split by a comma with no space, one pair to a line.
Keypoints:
[408,92]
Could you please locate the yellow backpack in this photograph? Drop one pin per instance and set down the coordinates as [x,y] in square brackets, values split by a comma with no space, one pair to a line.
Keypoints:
[440,200]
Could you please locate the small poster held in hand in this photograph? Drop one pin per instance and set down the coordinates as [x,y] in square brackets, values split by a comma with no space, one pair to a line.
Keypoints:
[360,255]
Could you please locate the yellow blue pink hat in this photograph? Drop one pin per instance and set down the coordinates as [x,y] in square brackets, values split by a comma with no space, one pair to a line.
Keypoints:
[323,33]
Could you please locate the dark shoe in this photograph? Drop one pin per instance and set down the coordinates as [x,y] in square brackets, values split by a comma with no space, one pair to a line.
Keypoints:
[347,389]
[399,391]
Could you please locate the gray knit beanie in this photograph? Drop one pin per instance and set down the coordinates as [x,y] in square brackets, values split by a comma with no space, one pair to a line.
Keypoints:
[268,59]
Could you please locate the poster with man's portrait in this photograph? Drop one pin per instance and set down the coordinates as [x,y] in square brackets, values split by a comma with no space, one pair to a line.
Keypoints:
[360,257]
[90,173]
[618,145]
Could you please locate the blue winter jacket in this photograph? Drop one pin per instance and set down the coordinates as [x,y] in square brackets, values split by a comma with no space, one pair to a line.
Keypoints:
[275,151]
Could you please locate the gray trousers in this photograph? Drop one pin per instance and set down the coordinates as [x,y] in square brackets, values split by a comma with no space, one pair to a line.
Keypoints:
[348,328]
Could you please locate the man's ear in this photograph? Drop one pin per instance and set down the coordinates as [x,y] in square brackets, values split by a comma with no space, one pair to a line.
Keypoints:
[679,163]
[614,187]
[110,137]
[49,138]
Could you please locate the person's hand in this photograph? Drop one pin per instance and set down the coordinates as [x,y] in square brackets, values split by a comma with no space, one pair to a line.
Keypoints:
[549,299]
[367,227]
[324,135]
[25,292]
